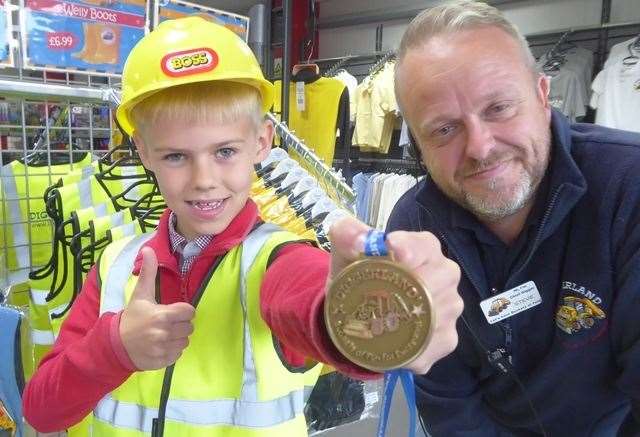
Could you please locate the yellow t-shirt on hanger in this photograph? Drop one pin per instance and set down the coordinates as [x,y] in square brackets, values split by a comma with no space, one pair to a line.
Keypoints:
[317,121]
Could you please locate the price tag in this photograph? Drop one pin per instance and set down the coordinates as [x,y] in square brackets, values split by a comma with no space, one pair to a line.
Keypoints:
[61,40]
[300,103]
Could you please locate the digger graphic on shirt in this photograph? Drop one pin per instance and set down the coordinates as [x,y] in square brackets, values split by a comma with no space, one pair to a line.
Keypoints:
[577,313]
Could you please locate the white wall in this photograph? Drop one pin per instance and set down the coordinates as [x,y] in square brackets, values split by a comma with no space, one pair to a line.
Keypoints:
[531,17]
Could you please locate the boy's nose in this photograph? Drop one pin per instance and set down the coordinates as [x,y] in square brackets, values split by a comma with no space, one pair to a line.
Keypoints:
[204,176]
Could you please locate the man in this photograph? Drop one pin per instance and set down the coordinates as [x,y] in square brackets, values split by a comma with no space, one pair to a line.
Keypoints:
[521,200]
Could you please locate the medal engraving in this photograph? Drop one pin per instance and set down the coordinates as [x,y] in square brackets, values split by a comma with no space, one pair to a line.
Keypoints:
[378,314]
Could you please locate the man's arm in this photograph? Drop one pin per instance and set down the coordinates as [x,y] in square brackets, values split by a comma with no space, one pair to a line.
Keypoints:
[625,329]
[81,368]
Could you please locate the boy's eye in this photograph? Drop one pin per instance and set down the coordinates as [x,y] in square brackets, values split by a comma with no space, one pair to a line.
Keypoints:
[174,157]
[225,152]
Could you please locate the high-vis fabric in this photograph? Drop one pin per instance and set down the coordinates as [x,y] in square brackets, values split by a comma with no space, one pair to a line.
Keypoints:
[29,232]
[230,380]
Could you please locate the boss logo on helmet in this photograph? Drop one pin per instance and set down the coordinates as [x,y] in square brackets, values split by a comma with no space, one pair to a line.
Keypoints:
[188,62]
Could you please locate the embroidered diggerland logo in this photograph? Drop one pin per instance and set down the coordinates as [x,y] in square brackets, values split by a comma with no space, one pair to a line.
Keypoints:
[187,62]
[577,313]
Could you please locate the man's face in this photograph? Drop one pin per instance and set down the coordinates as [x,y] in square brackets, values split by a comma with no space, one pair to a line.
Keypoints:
[481,118]
[204,171]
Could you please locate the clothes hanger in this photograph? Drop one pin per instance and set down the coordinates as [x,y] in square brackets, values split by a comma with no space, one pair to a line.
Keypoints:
[267,165]
[632,59]
[301,188]
[290,180]
[280,172]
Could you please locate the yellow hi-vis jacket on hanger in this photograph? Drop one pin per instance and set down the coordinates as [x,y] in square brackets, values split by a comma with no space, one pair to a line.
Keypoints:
[230,380]
[23,214]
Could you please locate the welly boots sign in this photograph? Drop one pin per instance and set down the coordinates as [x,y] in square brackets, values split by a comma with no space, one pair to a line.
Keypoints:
[92,36]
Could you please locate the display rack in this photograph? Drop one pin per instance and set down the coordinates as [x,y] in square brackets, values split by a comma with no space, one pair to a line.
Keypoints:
[326,174]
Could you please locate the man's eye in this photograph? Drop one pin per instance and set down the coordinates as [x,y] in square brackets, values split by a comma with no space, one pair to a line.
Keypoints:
[500,107]
[444,130]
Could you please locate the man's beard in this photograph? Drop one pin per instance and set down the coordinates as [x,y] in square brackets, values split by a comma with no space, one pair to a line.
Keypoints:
[500,205]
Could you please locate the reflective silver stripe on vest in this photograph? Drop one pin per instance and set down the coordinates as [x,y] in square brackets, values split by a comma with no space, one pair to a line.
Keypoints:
[232,412]
[42,337]
[117,219]
[87,171]
[245,412]
[250,248]
[127,229]
[84,190]
[100,210]
[20,239]
[119,273]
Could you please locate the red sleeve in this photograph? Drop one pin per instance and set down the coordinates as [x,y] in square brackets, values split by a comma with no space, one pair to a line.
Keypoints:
[292,306]
[81,368]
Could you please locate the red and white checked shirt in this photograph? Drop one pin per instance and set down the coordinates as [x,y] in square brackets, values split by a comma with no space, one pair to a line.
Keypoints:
[186,251]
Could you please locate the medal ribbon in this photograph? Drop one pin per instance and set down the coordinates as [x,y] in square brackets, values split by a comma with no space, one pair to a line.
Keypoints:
[374,245]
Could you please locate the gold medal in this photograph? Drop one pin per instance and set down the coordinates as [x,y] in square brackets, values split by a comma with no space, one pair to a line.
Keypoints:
[378,314]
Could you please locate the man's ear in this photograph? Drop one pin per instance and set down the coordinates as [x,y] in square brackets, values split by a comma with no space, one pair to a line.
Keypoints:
[265,139]
[143,150]
[543,88]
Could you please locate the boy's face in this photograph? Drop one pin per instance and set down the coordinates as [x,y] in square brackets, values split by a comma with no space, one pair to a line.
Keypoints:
[204,171]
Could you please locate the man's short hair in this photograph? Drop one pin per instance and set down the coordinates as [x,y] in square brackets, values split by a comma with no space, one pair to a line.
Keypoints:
[457,15]
[215,102]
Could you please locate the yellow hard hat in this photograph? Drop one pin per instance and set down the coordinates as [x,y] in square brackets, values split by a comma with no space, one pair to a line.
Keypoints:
[187,50]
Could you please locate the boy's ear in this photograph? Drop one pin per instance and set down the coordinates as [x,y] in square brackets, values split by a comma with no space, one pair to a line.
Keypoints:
[142,149]
[265,139]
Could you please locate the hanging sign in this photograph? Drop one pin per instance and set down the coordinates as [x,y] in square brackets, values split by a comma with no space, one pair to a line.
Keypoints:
[6,25]
[93,36]
[172,9]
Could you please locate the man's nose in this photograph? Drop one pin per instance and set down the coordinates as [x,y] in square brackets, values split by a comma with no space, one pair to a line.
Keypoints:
[480,139]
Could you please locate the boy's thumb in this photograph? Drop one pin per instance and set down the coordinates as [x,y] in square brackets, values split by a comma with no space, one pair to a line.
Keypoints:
[146,286]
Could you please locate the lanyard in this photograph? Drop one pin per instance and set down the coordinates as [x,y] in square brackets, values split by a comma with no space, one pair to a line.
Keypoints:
[375,246]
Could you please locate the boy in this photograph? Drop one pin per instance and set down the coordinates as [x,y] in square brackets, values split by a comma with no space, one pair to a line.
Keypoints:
[134,350]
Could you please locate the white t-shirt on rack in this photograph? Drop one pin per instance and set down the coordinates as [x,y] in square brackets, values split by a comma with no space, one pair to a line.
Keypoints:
[616,96]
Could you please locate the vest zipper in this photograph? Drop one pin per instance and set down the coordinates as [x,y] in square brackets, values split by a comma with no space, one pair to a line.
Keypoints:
[157,427]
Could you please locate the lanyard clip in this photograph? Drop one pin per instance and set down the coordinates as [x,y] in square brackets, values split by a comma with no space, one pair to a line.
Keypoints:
[499,358]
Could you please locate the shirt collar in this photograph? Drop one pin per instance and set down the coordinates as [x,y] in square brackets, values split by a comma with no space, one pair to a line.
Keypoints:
[178,242]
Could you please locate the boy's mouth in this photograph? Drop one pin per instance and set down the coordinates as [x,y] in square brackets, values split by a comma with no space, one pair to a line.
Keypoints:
[206,205]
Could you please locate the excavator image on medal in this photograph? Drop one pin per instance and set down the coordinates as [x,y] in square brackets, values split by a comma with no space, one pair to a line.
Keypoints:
[577,313]
[381,311]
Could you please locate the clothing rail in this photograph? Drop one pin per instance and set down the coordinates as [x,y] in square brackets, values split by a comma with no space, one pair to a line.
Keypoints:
[325,172]
[334,69]
[378,65]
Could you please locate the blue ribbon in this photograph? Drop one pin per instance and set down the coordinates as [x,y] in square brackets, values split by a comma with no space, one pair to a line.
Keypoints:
[375,246]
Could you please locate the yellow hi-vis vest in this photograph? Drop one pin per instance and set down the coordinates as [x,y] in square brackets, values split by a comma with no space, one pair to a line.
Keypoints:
[229,381]
[23,214]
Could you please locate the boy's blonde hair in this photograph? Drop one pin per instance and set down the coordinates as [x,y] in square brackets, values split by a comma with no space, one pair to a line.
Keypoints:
[216,102]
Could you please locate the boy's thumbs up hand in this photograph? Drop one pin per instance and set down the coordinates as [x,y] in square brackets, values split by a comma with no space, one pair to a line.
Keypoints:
[154,335]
